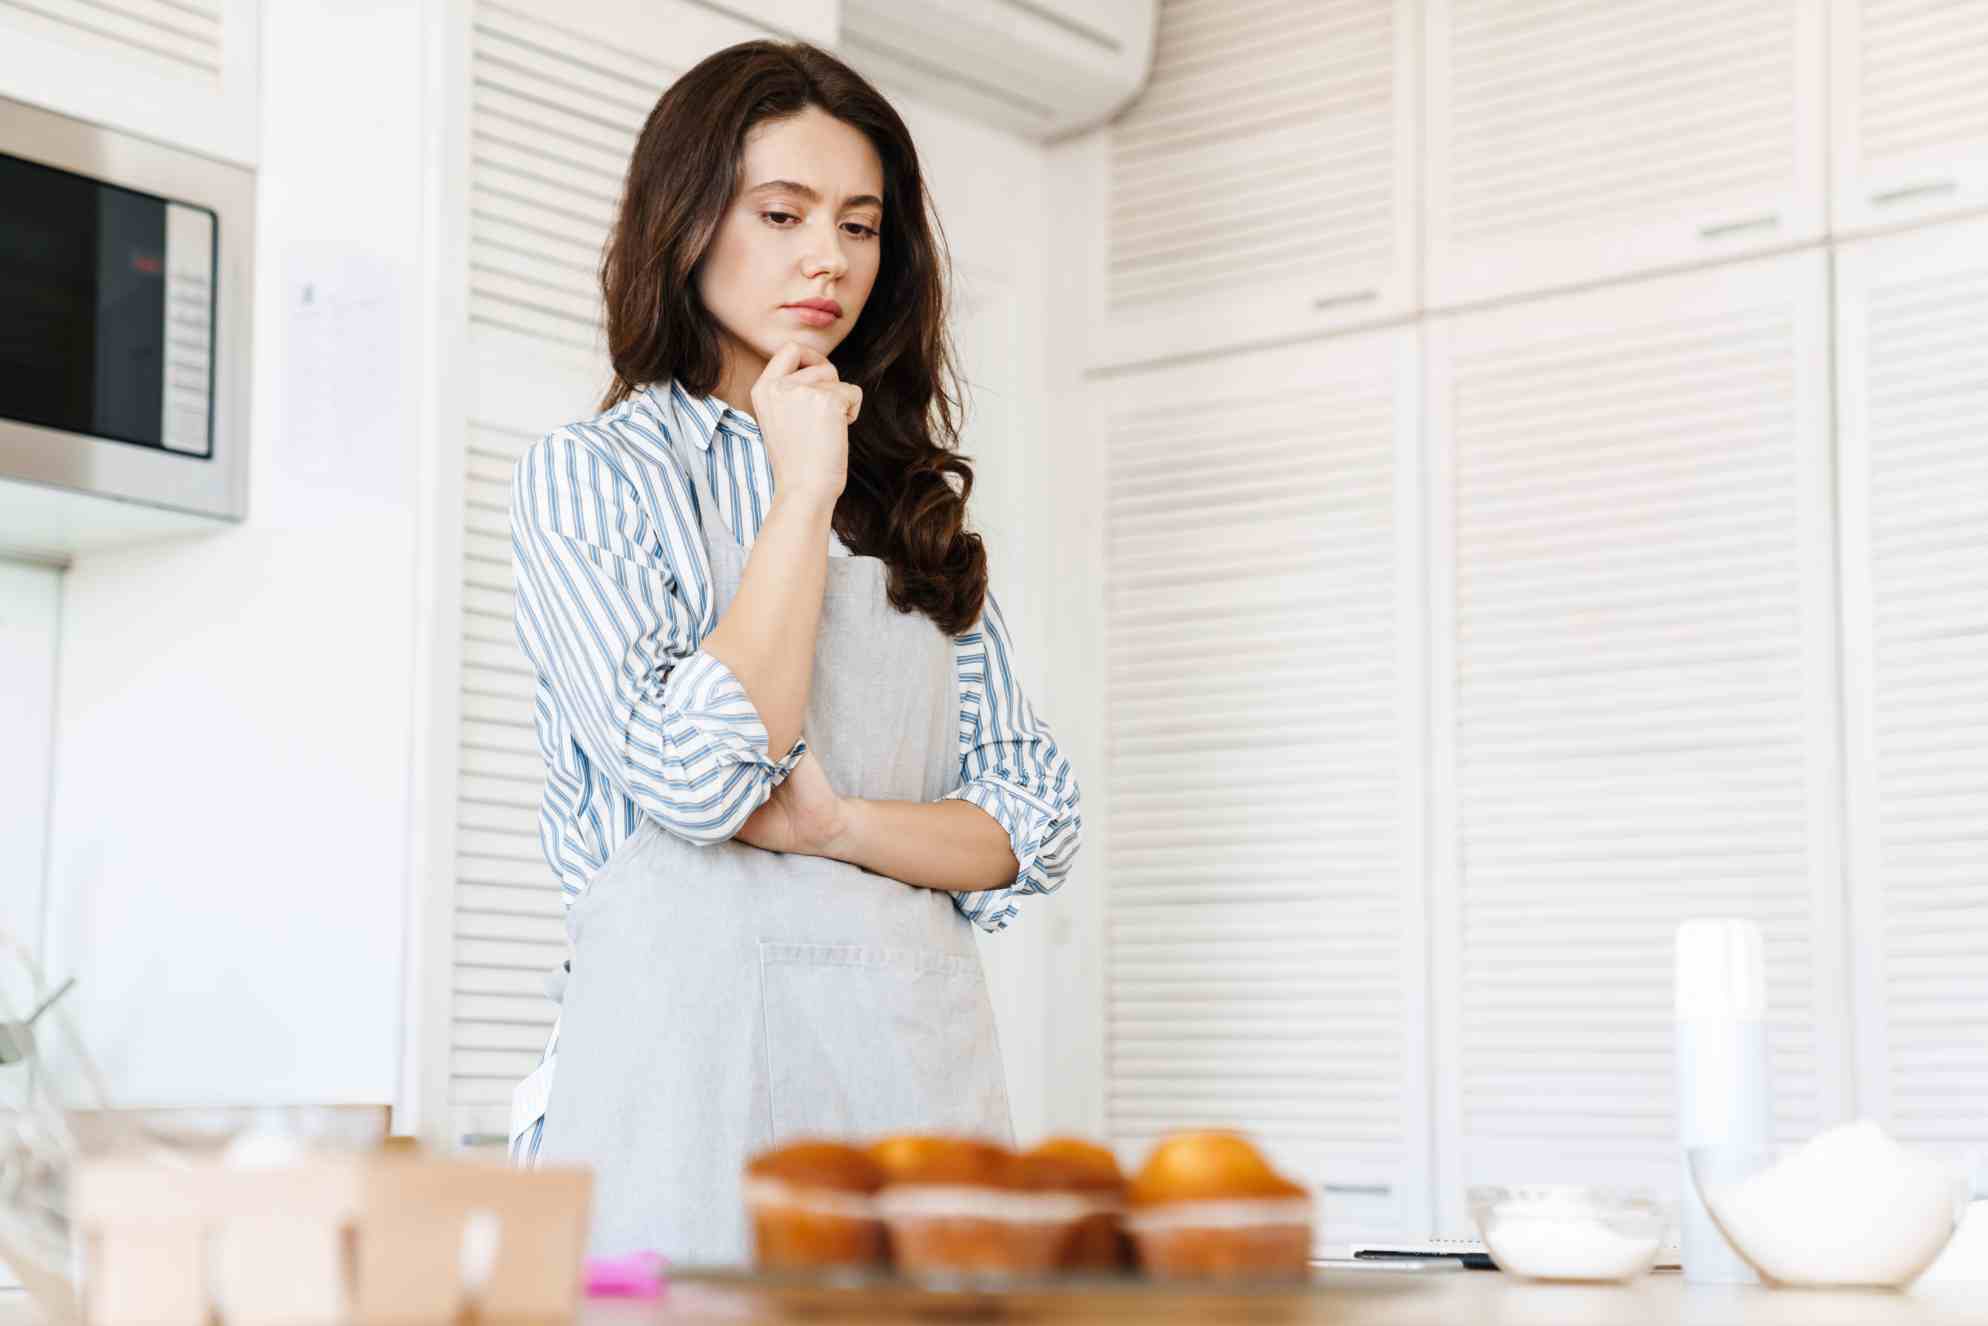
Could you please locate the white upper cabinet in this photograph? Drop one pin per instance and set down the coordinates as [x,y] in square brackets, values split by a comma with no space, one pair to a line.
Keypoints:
[182,72]
[1634,708]
[1911,110]
[1571,142]
[1913,418]
[1260,803]
[1263,186]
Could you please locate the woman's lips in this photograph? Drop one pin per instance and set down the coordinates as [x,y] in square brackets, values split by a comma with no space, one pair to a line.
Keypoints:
[814,317]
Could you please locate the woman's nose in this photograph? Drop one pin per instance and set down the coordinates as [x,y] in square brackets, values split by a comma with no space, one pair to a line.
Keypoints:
[827,257]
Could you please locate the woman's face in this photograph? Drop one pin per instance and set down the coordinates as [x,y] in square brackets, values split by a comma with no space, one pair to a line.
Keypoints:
[804,225]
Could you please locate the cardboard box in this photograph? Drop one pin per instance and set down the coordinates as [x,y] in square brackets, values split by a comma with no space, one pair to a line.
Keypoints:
[375,1238]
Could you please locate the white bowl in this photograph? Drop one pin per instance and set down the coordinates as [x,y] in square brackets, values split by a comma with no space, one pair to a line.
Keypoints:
[1570,1232]
[1801,1216]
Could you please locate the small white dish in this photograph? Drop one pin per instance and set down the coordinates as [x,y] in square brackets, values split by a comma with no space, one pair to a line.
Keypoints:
[1570,1231]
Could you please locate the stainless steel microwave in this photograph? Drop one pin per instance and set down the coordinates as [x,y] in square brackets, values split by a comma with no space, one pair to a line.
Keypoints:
[125,271]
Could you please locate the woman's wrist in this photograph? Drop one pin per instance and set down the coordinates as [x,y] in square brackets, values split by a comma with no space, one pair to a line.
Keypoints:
[809,503]
[853,831]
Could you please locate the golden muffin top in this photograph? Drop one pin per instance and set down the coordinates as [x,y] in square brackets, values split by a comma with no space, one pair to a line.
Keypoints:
[933,1159]
[1207,1166]
[1073,1163]
[819,1164]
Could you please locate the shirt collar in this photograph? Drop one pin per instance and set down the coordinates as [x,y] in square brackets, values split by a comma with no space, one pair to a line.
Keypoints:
[700,417]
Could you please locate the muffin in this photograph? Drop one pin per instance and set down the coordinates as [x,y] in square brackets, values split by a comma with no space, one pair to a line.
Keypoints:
[1086,1170]
[1207,1204]
[960,1204]
[813,1204]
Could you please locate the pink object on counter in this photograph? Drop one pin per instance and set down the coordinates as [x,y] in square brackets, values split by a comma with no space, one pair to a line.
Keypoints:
[634,1275]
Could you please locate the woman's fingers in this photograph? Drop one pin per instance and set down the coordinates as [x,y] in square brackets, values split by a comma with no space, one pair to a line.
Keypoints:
[823,372]
[823,377]
[790,357]
[784,361]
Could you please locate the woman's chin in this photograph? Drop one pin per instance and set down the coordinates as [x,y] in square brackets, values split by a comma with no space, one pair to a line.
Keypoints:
[821,339]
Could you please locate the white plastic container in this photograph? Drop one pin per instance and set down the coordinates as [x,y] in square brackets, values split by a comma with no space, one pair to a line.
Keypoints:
[1722,1088]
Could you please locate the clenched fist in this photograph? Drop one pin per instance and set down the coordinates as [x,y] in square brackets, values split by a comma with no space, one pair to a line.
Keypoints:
[804,412]
[804,815]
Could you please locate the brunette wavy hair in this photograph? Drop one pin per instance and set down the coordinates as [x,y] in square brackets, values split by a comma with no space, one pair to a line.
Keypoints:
[905,499]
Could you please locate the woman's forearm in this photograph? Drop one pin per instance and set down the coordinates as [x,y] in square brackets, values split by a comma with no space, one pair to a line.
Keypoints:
[767,635]
[934,844]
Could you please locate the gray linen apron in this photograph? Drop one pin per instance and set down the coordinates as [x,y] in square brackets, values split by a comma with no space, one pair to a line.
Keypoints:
[724,998]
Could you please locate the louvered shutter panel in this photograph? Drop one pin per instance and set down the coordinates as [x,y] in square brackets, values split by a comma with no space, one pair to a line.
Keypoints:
[1634,709]
[1914,404]
[1263,182]
[508,924]
[182,72]
[1263,920]
[556,100]
[185,35]
[1911,110]
[1572,142]
[554,115]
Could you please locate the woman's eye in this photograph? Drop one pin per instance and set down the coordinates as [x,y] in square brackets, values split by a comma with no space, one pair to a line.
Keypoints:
[863,231]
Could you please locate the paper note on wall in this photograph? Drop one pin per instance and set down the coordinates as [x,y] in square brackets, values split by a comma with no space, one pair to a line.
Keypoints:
[342,420]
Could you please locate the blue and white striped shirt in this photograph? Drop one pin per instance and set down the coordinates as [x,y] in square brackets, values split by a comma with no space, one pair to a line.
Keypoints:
[614,596]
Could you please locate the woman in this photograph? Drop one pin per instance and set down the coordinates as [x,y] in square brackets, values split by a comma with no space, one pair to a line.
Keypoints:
[788,763]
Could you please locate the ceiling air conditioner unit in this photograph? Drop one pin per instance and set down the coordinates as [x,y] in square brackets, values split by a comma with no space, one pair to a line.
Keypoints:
[1044,69]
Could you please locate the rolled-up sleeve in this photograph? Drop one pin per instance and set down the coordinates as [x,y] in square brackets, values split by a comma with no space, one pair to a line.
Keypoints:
[1011,768]
[612,627]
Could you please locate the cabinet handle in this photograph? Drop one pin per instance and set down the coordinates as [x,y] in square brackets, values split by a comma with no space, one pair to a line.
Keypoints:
[1913,191]
[1334,301]
[1770,220]
[1358,1189]
[485,1139]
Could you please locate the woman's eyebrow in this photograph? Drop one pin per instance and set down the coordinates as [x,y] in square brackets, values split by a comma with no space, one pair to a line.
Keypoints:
[803,191]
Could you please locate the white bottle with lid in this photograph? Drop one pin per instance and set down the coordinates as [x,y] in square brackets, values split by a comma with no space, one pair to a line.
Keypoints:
[1722,1092]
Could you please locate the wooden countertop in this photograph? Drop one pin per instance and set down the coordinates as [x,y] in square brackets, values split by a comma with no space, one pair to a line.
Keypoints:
[1343,1298]
[1346,1298]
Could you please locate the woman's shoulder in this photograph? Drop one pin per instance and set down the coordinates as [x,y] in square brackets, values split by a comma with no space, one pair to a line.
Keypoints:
[627,445]
[610,482]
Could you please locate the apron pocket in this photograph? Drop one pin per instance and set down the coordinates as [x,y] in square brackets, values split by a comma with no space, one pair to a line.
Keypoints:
[863,1040]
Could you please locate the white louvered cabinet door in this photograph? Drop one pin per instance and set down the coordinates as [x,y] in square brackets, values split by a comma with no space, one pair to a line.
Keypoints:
[1575,142]
[1913,399]
[1263,184]
[1910,104]
[1264,918]
[1634,717]
[183,72]
[552,99]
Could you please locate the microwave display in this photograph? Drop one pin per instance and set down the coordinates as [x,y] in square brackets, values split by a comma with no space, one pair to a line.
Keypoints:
[109,295]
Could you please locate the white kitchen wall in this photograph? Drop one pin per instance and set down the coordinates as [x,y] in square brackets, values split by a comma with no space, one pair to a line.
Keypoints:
[30,618]
[227,863]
